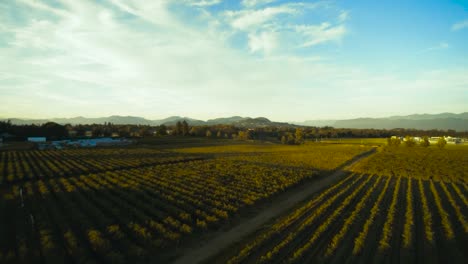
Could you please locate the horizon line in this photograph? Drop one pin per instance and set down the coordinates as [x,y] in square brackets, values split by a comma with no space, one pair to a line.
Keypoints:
[230,116]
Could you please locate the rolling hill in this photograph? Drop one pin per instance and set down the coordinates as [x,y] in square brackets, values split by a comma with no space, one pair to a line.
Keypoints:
[442,121]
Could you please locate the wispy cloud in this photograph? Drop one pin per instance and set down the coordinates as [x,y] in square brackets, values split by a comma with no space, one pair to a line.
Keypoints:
[460,25]
[440,46]
[253,3]
[344,15]
[280,27]
[159,58]
[202,3]
[266,42]
[324,32]
[252,19]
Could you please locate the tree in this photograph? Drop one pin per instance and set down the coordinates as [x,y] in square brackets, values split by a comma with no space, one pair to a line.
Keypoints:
[244,135]
[53,130]
[185,128]
[409,141]
[208,133]
[299,136]
[162,130]
[425,142]
[441,142]
[178,128]
[218,134]
[284,140]
[393,142]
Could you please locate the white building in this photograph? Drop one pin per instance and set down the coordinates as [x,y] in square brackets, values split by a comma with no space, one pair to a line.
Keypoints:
[453,140]
[449,139]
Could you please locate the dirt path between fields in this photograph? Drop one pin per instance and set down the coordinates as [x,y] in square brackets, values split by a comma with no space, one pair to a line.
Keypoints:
[281,205]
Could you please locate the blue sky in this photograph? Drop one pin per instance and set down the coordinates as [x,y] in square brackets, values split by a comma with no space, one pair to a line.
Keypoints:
[286,60]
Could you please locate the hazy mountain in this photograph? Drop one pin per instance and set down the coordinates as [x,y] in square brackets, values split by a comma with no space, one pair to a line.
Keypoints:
[424,124]
[226,120]
[316,123]
[118,120]
[443,121]
[258,122]
[170,121]
[431,116]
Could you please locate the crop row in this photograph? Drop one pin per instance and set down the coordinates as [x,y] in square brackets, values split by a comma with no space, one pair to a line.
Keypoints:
[25,165]
[448,165]
[134,214]
[326,157]
[367,219]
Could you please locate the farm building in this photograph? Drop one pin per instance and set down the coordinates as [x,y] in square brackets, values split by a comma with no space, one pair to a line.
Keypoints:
[453,140]
[95,142]
[449,139]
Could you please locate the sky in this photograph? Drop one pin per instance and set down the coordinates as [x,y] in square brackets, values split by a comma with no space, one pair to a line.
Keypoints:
[285,60]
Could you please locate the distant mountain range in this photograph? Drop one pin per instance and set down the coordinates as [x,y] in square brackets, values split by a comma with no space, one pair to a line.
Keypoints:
[444,121]
[170,121]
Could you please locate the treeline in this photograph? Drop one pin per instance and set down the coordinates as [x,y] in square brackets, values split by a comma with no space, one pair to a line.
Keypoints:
[286,134]
[409,141]
[51,130]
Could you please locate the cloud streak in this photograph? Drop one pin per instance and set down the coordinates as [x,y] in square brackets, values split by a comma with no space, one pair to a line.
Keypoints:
[460,25]
[161,58]
[440,46]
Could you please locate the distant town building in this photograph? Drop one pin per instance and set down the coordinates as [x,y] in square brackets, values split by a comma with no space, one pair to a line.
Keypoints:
[72,133]
[88,133]
[135,134]
[4,136]
[453,140]
[87,143]
[449,139]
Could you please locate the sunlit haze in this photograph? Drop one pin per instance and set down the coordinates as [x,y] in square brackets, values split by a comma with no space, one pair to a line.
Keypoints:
[286,60]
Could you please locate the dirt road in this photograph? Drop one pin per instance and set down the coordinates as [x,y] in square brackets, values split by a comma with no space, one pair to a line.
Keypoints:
[282,204]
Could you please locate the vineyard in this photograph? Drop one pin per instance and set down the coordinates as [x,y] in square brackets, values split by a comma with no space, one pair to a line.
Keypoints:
[18,166]
[322,157]
[133,205]
[422,163]
[398,206]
